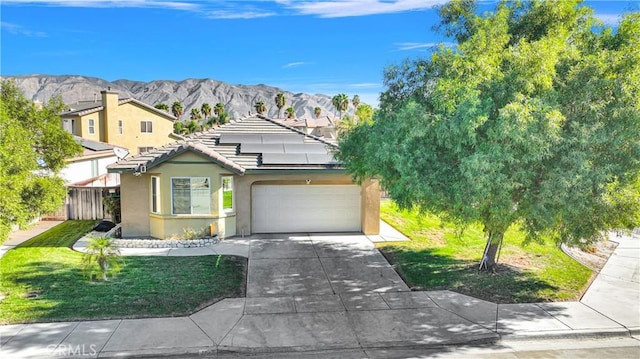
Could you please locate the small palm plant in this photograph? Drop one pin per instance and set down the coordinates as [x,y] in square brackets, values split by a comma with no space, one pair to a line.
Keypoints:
[101,257]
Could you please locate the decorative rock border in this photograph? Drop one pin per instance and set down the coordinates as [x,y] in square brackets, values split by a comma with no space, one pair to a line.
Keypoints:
[160,243]
[165,243]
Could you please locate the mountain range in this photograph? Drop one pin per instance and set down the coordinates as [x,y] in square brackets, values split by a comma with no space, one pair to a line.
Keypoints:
[238,100]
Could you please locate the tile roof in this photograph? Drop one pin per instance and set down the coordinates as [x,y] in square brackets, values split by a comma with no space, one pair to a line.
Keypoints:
[230,155]
[89,107]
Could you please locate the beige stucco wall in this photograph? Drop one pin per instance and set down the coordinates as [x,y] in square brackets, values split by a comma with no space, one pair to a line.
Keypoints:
[165,224]
[134,204]
[370,196]
[106,125]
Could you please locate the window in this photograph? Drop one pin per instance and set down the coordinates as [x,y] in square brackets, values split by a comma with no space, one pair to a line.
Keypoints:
[144,149]
[92,126]
[146,126]
[190,195]
[155,194]
[120,130]
[227,194]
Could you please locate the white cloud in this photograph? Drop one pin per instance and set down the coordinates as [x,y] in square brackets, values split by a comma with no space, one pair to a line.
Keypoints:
[403,46]
[294,64]
[176,5]
[20,30]
[226,14]
[346,8]
[609,19]
[365,85]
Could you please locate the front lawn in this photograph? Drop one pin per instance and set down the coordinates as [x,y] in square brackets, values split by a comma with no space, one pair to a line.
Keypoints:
[439,257]
[47,268]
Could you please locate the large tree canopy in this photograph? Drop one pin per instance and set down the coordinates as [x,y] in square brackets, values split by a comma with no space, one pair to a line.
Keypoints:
[534,118]
[33,147]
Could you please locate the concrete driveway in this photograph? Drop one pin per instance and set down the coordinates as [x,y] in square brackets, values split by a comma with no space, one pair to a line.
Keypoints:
[286,265]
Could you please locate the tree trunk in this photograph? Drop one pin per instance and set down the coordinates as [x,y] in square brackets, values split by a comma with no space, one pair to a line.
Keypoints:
[489,259]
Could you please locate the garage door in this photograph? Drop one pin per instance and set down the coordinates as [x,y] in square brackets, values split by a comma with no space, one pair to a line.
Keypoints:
[305,208]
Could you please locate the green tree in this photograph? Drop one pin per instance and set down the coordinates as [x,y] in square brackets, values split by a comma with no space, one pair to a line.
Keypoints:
[178,128]
[356,102]
[280,102]
[317,111]
[260,107]
[223,118]
[290,112]
[205,110]
[192,126]
[162,106]
[195,114]
[102,257]
[177,109]
[341,103]
[532,120]
[364,112]
[218,109]
[33,149]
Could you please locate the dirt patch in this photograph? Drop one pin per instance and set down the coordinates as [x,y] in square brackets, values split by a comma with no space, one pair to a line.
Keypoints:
[594,256]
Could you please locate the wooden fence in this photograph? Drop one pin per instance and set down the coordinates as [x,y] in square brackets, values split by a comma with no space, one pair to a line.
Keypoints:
[84,203]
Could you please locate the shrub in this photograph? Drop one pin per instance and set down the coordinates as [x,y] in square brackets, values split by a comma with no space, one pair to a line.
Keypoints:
[102,257]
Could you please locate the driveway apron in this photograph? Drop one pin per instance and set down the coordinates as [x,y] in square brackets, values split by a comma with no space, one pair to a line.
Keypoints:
[287,265]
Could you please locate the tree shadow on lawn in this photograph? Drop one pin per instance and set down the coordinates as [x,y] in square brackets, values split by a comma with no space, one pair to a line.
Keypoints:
[426,270]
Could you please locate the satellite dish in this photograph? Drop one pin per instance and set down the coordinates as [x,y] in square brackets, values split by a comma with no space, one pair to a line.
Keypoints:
[121,153]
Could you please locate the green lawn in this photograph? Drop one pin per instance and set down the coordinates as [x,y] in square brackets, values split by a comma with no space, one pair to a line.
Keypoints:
[439,257]
[145,287]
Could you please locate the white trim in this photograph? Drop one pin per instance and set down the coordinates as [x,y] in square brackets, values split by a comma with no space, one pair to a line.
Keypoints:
[91,126]
[233,195]
[158,196]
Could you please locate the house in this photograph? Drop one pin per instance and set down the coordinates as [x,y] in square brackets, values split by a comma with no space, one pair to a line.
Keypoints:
[127,123]
[91,164]
[253,175]
[324,127]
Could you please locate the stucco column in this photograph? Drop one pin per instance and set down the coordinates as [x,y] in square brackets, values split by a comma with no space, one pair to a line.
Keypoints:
[370,206]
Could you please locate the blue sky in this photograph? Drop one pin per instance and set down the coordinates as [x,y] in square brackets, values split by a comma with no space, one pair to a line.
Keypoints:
[313,46]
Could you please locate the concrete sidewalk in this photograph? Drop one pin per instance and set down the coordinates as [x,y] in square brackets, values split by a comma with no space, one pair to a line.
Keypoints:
[20,236]
[316,293]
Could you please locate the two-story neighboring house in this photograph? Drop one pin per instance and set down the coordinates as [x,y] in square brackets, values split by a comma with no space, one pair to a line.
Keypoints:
[127,122]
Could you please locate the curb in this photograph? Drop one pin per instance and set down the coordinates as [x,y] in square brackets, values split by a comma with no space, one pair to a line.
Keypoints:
[292,352]
[568,334]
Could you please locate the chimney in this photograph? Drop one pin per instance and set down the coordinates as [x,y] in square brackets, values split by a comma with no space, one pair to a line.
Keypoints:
[110,113]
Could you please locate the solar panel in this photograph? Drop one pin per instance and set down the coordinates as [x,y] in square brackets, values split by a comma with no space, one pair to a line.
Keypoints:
[320,159]
[95,146]
[284,159]
[305,148]
[261,148]
[275,138]
[231,138]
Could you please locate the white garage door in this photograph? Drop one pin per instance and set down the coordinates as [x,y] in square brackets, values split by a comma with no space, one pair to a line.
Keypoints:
[305,208]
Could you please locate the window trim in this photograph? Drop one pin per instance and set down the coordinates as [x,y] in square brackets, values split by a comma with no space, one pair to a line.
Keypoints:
[146,149]
[155,200]
[146,126]
[91,127]
[191,197]
[233,197]
[120,127]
